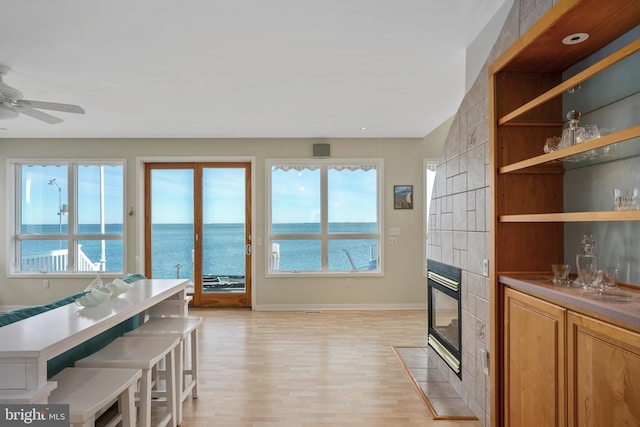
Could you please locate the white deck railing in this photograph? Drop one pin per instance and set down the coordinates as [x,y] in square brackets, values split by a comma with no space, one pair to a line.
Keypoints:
[56,261]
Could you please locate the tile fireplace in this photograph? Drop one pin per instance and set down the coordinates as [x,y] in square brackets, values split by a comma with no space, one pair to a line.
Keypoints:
[444,313]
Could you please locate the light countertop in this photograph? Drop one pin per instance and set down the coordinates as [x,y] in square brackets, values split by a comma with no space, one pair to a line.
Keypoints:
[621,306]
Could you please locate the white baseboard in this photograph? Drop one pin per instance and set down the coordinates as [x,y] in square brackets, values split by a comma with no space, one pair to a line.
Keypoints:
[336,307]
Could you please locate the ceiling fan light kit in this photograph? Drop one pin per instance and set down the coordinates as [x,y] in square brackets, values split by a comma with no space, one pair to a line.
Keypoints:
[12,104]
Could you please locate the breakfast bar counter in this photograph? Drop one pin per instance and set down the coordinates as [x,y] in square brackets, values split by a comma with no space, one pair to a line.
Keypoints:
[27,345]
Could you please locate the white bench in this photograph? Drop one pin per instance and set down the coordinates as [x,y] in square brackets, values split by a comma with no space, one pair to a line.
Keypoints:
[186,329]
[91,391]
[144,353]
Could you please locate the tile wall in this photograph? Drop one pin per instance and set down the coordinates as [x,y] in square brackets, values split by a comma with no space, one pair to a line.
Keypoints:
[459,218]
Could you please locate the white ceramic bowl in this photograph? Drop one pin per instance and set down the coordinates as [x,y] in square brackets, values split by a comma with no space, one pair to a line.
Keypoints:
[96,297]
[118,287]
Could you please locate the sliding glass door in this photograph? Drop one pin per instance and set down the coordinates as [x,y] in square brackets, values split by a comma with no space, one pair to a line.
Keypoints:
[198,227]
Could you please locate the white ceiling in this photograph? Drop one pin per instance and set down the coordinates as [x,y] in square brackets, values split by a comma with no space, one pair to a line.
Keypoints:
[239,68]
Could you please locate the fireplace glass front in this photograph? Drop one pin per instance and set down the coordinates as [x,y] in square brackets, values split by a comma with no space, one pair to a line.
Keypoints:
[445,317]
[444,283]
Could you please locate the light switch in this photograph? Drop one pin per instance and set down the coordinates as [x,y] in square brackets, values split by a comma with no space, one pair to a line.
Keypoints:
[484,361]
[394,231]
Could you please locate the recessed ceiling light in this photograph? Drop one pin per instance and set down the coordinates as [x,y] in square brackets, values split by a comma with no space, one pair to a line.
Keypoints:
[575,38]
[363,128]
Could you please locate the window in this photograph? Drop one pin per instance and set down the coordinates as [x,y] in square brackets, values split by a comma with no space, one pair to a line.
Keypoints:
[430,167]
[324,216]
[68,217]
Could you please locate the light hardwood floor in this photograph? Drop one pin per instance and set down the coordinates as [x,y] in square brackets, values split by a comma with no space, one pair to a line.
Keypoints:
[336,368]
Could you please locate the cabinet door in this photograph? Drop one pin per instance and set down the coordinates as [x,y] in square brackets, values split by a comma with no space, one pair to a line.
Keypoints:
[534,362]
[603,374]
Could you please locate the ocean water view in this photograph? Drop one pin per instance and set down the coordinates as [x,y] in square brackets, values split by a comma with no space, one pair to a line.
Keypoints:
[223,248]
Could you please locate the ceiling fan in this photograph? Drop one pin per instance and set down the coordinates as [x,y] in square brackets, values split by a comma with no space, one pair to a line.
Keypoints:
[12,104]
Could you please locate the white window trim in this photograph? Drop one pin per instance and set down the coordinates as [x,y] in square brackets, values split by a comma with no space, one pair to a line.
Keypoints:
[14,206]
[379,163]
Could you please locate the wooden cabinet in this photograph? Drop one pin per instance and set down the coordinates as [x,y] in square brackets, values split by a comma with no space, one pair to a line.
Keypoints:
[534,349]
[526,87]
[603,374]
[563,368]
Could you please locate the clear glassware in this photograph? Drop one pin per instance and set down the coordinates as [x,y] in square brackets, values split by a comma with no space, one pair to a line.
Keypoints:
[552,144]
[625,199]
[610,278]
[569,133]
[586,262]
[588,271]
[587,133]
[560,273]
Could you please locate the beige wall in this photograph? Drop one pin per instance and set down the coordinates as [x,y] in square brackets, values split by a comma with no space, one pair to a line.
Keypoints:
[401,287]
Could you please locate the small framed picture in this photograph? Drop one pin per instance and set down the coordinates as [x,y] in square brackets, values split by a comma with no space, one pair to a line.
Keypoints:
[403,196]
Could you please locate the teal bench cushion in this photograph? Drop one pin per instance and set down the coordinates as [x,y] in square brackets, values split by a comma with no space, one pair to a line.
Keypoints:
[21,313]
[66,300]
[130,278]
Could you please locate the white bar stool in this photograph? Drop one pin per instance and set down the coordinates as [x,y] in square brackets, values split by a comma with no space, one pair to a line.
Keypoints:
[186,329]
[142,352]
[90,391]
[38,396]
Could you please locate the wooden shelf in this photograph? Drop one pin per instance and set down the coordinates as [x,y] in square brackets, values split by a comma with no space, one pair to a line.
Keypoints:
[544,124]
[527,83]
[574,217]
[604,141]
[596,68]
[540,49]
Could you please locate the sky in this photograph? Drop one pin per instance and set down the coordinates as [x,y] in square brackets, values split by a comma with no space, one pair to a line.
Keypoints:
[296,195]
[45,190]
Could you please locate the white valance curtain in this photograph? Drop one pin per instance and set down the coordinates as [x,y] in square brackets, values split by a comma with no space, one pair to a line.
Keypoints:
[315,166]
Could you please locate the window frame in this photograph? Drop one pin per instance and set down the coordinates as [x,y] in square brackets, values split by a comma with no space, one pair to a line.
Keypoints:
[72,236]
[324,235]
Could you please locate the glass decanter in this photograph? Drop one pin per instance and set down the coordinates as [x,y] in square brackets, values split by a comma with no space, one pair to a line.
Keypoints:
[569,133]
[587,264]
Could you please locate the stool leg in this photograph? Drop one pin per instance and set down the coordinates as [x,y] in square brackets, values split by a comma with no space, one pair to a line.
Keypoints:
[128,407]
[194,364]
[171,387]
[145,398]
[179,380]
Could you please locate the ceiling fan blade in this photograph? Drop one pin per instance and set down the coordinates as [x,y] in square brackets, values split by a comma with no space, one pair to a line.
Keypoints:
[66,108]
[48,118]
[7,111]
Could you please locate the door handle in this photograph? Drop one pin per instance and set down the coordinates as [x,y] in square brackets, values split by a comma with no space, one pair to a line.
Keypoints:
[248,249]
